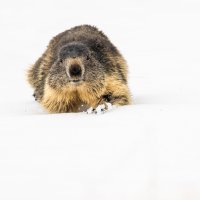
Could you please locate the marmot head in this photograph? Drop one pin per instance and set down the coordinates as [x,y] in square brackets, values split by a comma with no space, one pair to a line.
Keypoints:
[75,65]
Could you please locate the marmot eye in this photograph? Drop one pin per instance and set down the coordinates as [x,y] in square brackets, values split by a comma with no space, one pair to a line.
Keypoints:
[87,58]
[60,61]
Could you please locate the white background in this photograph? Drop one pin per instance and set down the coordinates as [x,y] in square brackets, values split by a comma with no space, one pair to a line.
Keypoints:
[149,150]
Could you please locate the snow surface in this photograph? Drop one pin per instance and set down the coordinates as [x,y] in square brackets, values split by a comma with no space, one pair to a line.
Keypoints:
[146,151]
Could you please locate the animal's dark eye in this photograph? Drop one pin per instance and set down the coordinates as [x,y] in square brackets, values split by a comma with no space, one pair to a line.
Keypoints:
[60,61]
[88,58]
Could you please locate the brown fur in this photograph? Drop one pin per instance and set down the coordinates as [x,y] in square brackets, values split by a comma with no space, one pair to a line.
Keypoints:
[105,81]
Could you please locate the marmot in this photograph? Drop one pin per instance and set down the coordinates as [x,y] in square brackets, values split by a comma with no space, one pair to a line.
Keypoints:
[79,67]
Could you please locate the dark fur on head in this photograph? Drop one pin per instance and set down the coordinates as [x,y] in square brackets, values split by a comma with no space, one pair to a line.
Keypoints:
[79,54]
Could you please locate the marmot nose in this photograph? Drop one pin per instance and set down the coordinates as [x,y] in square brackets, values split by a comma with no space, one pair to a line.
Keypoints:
[75,70]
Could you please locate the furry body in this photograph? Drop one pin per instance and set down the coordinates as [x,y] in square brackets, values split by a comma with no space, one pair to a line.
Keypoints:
[79,67]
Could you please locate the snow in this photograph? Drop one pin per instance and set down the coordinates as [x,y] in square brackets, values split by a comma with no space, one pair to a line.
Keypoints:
[101,109]
[149,150]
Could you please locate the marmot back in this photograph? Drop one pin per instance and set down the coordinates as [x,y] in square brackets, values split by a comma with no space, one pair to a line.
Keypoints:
[80,67]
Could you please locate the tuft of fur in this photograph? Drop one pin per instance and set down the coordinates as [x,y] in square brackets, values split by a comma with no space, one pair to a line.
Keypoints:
[105,72]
